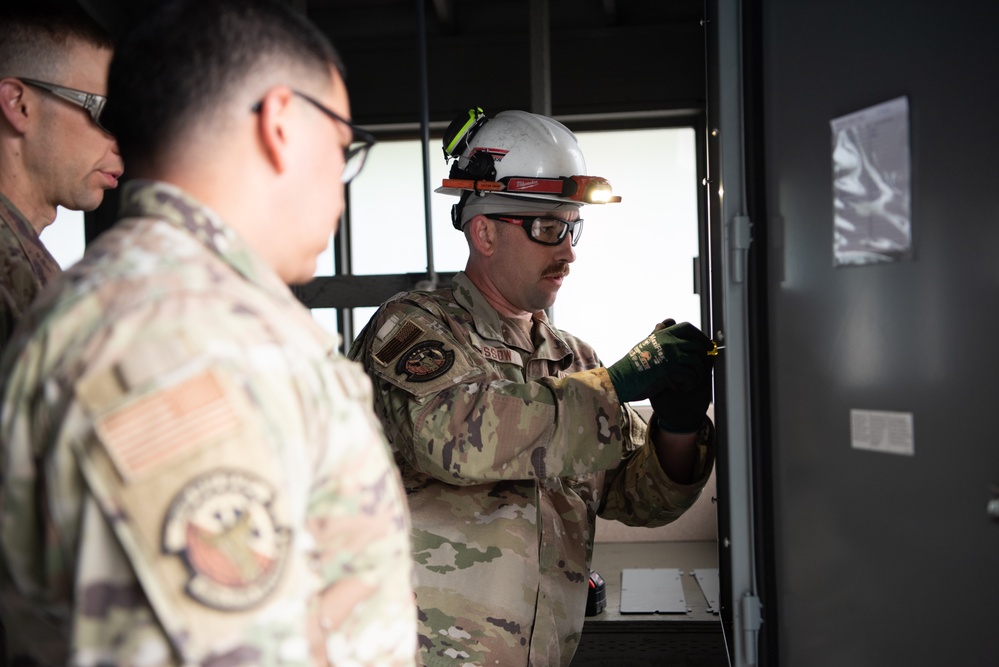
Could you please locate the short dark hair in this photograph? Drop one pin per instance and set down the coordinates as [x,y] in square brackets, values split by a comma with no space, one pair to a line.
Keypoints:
[34,36]
[187,58]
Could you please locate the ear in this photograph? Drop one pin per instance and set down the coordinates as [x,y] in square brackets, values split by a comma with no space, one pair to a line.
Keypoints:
[273,118]
[482,235]
[13,104]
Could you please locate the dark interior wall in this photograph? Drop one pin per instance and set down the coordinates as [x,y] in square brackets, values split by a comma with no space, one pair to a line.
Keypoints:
[884,559]
[643,55]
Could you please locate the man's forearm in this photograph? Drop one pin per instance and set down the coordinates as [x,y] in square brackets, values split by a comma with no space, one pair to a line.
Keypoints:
[677,453]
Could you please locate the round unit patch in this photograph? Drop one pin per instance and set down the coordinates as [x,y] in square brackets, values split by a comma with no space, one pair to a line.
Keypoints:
[425,361]
[222,526]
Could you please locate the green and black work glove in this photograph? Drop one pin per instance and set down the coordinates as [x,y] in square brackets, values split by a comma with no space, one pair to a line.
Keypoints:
[682,411]
[675,358]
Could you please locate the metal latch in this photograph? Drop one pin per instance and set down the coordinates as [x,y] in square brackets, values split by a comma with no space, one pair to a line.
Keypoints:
[751,622]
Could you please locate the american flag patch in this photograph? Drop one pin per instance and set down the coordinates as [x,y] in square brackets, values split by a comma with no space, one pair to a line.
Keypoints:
[149,432]
[407,333]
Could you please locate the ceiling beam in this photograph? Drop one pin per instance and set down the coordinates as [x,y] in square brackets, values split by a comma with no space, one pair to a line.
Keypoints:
[541,61]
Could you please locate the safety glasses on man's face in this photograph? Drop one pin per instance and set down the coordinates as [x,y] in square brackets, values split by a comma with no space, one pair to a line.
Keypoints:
[91,103]
[546,230]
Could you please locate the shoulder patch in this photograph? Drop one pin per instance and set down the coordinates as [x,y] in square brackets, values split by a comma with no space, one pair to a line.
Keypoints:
[425,361]
[221,525]
[405,336]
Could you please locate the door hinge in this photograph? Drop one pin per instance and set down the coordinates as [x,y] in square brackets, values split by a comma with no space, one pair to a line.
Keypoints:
[740,236]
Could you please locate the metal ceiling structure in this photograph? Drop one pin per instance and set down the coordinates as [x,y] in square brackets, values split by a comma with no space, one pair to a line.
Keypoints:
[606,57]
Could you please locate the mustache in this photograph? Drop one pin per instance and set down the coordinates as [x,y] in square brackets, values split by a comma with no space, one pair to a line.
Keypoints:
[556,270]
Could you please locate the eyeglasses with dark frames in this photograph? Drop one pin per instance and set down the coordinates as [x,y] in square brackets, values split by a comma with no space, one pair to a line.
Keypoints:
[91,103]
[361,140]
[543,229]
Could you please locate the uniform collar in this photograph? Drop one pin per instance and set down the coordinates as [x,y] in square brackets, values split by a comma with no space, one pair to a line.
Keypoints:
[143,198]
[20,231]
[15,219]
[545,343]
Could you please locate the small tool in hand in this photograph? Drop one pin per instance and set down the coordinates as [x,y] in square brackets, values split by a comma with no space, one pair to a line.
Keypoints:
[715,348]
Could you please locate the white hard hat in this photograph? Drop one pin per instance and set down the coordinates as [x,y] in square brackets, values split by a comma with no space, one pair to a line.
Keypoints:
[519,154]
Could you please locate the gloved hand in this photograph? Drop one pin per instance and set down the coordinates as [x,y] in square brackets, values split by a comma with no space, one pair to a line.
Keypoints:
[682,411]
[674,357]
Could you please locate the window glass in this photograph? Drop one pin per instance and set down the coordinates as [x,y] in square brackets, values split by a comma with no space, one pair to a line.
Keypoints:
[326,318]
[65,237]
[388,226]
[634,262]
[361,317]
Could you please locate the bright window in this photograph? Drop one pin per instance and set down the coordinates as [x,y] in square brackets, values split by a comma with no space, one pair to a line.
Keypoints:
[388,228]
[634,262]
[64,238]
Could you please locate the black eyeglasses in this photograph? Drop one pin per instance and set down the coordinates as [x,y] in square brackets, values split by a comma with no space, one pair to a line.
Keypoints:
[546,230]
[361,140]
[91,103]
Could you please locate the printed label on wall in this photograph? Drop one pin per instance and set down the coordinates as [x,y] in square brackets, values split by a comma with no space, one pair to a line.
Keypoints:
[889,432]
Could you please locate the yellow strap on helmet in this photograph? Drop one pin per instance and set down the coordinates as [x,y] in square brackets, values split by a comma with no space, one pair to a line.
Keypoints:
[475,115]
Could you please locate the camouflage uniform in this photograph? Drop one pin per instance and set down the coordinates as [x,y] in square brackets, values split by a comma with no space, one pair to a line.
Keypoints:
[25,268]
[509,447]
[191,475]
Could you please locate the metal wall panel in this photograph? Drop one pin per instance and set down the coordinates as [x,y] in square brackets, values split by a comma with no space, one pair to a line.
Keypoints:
[884,559]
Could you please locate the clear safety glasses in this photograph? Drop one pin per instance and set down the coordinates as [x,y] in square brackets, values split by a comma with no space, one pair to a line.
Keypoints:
[546,230]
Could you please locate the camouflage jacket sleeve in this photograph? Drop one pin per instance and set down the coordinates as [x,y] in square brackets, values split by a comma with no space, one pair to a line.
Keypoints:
[454,417]
[640,493]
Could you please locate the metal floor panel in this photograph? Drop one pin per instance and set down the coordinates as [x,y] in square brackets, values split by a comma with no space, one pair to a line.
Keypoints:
[652,591]
[707,579]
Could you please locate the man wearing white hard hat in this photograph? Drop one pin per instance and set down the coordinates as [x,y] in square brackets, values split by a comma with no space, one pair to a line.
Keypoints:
[510,434]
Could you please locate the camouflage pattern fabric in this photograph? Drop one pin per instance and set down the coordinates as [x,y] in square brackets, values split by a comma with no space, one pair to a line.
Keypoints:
[509,445]
[26,266]
[191,474]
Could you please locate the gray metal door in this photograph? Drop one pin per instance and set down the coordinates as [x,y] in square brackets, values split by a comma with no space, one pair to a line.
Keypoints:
[883,555]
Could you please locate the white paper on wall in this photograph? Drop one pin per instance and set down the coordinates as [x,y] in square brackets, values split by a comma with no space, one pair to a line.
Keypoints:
[871,185]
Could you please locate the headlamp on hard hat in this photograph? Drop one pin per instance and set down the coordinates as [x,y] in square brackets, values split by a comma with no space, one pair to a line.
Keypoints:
[460,132]
[582,189]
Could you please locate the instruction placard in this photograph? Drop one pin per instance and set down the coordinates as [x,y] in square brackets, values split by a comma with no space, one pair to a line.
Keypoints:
[889,432]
